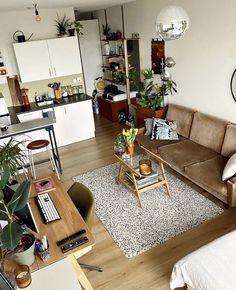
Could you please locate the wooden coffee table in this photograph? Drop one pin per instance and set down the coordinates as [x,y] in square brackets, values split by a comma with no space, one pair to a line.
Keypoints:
[126,165]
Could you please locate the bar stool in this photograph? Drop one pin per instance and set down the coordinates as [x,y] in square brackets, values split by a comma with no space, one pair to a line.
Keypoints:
[39,144]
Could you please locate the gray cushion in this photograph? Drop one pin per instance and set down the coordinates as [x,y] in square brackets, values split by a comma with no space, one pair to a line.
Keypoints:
[148,126]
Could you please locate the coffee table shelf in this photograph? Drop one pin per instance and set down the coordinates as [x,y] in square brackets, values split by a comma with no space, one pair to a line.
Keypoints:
[132,185]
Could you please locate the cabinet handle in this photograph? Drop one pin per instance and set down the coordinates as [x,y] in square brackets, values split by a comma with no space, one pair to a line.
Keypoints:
[50,72]
[55,73]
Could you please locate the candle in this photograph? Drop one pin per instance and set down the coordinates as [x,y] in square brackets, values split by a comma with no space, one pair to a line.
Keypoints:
[145,167]
[22,276]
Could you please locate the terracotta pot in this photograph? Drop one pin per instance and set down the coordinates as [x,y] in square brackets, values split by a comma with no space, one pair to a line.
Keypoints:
[143,113]
[130,149]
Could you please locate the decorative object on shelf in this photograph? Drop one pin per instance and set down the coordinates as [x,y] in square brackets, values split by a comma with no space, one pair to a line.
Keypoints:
[172,22]
[75,26]
[135,35]
[158,53]
[20,37]
[106,48]
[37,16]
[119,77]
[105,30]
[56,89]
[62,24]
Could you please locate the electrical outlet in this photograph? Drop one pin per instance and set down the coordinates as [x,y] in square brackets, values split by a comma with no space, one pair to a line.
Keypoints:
[79,79]
[74,80]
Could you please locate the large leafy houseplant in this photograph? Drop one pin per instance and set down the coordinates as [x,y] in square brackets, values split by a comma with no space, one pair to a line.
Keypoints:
[12,233]
[12,156]
[150,94]
[62,24]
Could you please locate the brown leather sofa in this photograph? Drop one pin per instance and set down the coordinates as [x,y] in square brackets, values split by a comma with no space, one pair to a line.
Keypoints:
[204,146]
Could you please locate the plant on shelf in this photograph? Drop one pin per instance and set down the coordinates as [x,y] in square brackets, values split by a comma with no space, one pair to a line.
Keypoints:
[62,24]
[105,29]
[75,26]
[13,156]
[118,77]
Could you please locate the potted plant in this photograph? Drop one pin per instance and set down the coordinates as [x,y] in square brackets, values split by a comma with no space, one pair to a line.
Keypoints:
[150,97]
[62,24]
[13,156]
[129,136]
[75,26]
[105,30]
[119,144]
[13,237]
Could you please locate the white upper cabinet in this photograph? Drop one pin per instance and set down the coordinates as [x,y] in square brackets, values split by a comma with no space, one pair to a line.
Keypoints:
[45,59]
[33,60]
[65,56]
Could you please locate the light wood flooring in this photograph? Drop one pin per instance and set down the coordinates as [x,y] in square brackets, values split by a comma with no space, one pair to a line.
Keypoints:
[150,270]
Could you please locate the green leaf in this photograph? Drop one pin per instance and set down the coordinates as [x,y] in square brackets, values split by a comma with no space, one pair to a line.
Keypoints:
[3,214]
[4,176]
[20,197]
[11,235]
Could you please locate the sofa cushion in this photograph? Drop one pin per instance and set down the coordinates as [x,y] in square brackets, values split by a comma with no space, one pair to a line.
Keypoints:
[183,117]
[208,131]
[230,168]
[208,173]
[153,145]
[185,153]
[229,144]
[164,130]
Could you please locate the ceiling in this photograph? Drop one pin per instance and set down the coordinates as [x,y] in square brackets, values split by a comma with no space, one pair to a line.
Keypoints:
[81,5]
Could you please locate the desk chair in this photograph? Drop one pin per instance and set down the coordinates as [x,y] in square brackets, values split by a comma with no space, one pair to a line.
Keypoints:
[84,202]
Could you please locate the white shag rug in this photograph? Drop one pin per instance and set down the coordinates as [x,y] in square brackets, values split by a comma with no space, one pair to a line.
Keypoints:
[136,229]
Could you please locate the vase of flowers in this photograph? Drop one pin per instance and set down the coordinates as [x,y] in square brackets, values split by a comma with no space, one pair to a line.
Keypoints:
[129,137]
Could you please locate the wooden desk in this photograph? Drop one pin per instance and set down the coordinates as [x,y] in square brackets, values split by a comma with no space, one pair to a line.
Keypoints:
[71,222]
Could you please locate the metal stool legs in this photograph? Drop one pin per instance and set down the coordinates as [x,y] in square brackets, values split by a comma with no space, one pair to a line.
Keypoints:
[54,167]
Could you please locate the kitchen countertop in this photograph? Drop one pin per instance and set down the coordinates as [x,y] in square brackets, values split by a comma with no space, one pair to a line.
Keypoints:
[60,102]
[14,111]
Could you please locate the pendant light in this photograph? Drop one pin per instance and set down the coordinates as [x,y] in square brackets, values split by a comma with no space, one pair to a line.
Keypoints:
[172,22]
[37,16]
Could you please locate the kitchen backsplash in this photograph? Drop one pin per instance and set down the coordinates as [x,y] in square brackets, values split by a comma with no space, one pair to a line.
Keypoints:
[41,87]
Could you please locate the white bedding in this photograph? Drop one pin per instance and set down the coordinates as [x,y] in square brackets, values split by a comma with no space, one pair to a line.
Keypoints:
[211,267]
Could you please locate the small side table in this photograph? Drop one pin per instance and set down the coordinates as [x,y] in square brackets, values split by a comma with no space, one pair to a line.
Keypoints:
[133,186]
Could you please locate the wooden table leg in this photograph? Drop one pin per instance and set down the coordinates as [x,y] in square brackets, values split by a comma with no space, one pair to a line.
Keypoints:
[164,178]
[136,190]
[119,173]
[80,273]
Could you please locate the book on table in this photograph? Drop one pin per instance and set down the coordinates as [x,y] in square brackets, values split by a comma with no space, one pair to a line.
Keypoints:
[144,180]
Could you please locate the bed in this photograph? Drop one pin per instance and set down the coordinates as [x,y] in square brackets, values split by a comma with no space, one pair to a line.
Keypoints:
[211,267]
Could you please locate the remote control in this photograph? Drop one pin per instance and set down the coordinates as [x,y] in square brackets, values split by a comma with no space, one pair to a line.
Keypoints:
[74,244]
[71,237]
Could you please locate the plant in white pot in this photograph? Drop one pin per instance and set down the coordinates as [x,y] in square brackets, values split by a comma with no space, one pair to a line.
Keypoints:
[14,237]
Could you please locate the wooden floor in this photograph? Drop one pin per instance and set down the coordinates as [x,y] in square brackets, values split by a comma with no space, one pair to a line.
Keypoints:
[150,270]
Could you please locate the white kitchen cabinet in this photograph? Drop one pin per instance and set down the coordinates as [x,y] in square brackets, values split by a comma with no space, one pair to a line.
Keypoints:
[65,56]
[45,59]
[74,123]
[33,60]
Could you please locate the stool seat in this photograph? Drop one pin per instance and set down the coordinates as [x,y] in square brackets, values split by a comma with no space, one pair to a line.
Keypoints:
[37,144]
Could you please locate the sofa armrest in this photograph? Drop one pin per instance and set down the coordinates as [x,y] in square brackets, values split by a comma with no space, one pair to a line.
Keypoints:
[231,186]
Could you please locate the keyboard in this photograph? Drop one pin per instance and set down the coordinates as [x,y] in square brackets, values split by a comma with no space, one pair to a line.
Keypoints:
[47,208]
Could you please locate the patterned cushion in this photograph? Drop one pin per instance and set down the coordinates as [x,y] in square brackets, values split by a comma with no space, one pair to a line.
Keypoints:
[164,130]
[148,126]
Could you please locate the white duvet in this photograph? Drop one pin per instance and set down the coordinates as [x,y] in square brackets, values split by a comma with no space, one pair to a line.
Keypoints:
[211,267]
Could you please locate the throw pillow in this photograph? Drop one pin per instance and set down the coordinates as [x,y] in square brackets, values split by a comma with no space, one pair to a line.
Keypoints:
[148,126]
[230,168]
[164,130]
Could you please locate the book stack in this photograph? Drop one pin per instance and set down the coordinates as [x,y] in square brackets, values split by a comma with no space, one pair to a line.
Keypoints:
[144,180]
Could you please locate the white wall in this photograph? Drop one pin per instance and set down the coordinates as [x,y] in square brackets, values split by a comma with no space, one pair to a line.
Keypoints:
[25,21]
[205,57]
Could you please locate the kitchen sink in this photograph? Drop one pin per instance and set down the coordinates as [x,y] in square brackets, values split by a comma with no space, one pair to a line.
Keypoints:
[45,103]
